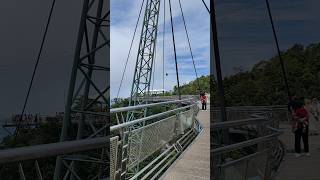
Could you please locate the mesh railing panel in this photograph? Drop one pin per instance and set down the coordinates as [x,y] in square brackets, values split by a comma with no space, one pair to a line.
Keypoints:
[251,168]
[113,155]
[185,120]
[154,137]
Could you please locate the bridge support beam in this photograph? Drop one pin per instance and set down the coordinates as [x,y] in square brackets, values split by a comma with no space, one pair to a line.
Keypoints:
[86,96]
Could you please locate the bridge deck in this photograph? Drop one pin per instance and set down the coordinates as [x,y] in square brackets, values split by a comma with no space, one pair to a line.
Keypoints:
[194,163]
[304,167]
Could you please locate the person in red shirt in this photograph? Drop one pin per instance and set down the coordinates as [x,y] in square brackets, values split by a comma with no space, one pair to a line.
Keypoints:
[300,127]
[203,100]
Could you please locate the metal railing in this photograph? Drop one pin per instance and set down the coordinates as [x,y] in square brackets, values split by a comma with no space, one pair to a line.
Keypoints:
[29,160]
[169,98]
[279,113]
[164,136]
[254,151]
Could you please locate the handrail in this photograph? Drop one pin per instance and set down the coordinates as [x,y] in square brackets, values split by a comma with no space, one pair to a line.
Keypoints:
[130,108]
[250,156]
[245,143]
[255,107]
[130,123]
[52,149]
[227,124]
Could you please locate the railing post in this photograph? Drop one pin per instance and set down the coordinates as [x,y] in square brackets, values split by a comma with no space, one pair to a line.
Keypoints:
[21,172]
[261,132]
[39,174]
[268,165]
[216,173]
[177,127]
[193,117]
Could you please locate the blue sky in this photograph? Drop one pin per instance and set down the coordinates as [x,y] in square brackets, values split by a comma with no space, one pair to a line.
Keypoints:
[124,15]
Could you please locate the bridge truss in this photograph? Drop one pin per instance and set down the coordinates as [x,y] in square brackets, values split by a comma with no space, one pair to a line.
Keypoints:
[83,151]
[88,96]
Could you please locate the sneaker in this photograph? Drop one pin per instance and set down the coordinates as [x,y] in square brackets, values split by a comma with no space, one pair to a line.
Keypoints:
[297,155]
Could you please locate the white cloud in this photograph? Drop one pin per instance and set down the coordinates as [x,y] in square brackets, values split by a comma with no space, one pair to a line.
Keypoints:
[124,14]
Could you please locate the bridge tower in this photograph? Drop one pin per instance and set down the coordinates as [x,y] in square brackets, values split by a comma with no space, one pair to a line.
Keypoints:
[142,75]
[87,106]
[145,57]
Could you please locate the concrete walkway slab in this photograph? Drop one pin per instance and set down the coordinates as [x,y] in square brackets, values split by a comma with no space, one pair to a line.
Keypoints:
[304,167]
[194,163]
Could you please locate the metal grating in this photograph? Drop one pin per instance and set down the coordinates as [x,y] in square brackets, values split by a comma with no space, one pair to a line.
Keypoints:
[154,137]
[113,156]
[185,120]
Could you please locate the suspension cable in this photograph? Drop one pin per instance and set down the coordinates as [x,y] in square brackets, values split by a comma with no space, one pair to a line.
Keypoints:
[35,68]
[190,49]
[175,53]
[154,66]
[204,3]
[163,33]
[131,44]
[278,49]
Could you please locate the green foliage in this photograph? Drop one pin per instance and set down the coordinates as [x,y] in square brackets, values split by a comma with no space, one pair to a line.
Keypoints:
[120,103]
[43,134]
[264,83]
[192,88]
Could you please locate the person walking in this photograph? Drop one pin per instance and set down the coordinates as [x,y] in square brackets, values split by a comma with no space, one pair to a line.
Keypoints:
[300,128]
[203,100]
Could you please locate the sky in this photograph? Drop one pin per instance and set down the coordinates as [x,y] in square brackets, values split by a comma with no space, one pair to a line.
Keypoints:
[22,26]
[243,27]
[124,16]
[245,33]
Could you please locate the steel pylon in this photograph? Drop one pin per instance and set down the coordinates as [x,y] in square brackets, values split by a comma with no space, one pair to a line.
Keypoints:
[142,79]
[87,107]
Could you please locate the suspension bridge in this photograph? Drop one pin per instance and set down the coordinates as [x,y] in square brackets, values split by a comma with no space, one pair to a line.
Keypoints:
[139,141]
[153,137]
[145,144]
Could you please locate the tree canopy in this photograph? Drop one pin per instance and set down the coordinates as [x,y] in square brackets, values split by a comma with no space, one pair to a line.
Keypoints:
[263,84]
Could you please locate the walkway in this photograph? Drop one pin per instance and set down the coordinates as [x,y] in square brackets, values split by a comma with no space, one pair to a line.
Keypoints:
[194,163]
[302,168]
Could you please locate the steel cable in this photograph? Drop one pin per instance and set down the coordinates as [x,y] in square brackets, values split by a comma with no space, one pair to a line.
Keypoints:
[132,40]
[278,49]
[35,68]
[190,49]
[175,53]
[204,3]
